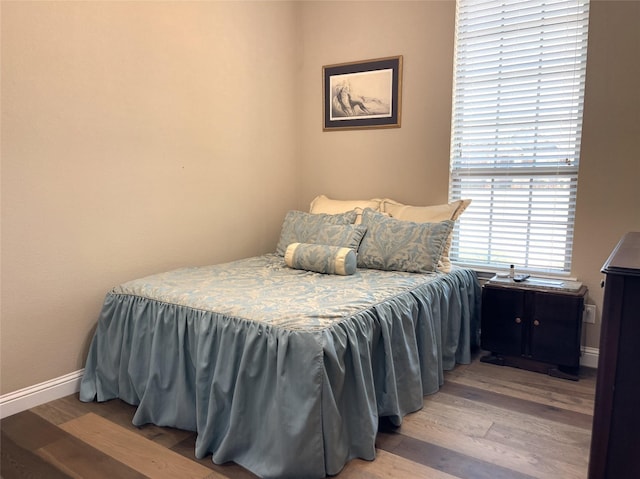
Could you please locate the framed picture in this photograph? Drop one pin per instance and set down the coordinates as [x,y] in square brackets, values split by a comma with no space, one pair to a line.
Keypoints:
[364,94]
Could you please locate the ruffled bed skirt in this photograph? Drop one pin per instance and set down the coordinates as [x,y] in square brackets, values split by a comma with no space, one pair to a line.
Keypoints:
[282,403]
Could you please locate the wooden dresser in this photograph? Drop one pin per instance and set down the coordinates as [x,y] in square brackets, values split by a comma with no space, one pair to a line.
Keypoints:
[615,447]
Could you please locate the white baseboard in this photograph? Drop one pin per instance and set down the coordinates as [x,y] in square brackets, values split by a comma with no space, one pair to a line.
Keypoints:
[589,357]
[32,396]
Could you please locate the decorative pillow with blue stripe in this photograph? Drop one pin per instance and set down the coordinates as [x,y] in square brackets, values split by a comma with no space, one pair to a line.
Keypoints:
[321,258]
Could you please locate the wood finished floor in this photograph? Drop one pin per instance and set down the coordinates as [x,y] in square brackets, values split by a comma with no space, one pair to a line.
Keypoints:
[487,421]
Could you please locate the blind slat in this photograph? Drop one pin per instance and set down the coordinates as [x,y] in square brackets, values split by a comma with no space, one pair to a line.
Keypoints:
[516,127]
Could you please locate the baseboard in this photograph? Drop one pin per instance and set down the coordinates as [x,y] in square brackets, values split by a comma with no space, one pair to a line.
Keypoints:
[589,357]
[32,396]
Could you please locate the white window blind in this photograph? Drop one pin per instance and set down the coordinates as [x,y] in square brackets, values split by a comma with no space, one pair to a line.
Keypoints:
[516,125]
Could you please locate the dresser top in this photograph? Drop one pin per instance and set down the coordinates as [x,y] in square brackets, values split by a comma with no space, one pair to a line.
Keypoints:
[625,258]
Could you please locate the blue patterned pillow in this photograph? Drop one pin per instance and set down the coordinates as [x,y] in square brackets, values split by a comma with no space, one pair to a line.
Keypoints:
[321,258]
[301,227]
[397,245]
[347,236]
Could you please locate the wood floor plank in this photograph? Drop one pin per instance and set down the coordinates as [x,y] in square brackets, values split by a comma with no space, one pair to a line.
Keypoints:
[553,446]
[484,449]
[531,433]
[541,384]
[464,421]
[187,447]
[449,461]
[79,461]
[517,383]
[121,413]
[542,381]
[563,433]
[30,431]
[117,411]
[568,400]
[64,409]
[521,405]
[389,466]
[16,462]
[137,452]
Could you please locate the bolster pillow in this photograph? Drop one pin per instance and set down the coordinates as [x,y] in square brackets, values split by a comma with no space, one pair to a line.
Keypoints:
[321,258]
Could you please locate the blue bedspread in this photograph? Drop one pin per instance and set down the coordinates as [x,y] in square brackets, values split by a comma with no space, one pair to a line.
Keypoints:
[283,371]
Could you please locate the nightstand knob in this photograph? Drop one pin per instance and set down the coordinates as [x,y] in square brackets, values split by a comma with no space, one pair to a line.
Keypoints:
[518,320]
[536,323]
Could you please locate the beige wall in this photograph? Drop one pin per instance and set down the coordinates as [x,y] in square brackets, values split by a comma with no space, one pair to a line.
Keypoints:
[608,200]
[141,136]
[136,137]
[410,163]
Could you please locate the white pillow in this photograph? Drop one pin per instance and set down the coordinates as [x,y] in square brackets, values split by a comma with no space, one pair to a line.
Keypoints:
[322,204]
[425,214]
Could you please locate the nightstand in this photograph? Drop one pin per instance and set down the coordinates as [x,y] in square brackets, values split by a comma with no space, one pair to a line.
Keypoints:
[535,324]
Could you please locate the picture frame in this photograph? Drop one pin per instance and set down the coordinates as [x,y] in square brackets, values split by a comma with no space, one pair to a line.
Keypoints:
[362,94]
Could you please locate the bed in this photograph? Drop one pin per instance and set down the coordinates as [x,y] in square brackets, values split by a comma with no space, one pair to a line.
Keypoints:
[284,363]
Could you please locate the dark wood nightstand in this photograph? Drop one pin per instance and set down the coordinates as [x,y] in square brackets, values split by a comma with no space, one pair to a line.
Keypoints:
[535,324]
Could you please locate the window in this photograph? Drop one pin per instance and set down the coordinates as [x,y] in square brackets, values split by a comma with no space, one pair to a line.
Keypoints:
[516,125]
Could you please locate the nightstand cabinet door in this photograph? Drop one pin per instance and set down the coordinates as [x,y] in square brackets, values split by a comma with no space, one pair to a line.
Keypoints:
[556,328]
[503,321]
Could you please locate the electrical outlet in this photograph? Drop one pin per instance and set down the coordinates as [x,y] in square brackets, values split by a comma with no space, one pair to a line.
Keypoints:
[589,314]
